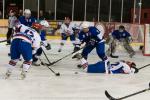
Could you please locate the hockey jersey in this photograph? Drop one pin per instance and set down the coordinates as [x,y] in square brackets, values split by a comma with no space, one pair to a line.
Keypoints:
[92,34]
[116,68]
[26,21]
[27,34]
[67,29]
[119,35]
[120,67]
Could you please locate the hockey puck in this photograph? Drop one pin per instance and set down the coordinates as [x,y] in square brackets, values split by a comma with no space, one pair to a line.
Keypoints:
[76,73]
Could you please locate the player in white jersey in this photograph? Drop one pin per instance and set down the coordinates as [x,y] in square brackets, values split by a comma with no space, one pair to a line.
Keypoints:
[25,39]
[36,55]
[66,31]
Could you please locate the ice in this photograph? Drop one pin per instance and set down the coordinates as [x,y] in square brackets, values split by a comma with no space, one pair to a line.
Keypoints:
[42,84]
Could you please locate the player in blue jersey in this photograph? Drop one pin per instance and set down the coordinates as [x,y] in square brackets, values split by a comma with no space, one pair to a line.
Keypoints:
[122,36]
[25,39]
[27,19]
[120,67]
[92,38]
[77,44]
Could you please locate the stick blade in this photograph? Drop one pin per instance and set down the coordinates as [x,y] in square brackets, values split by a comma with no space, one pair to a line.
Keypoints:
[57,74]
[109,96]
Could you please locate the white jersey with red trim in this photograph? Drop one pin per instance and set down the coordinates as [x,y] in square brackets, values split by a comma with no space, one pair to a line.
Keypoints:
[28,34]
[67,29]
[121,67]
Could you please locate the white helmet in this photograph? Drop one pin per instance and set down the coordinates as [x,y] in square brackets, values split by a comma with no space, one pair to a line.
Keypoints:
[85,24]
[77,27]
[27,11]
[44,23]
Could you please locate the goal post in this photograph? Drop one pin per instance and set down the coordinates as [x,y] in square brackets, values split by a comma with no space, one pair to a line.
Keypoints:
[147,40]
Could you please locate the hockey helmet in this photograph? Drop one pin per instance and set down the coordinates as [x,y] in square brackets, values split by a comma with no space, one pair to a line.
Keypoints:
[44,23]
[121,27]
[36,26]
[27,13]
[85,24]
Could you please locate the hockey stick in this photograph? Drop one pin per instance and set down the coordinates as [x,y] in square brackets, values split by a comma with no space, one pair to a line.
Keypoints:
[143,66]
[57,74]
[3,41]
[137,69]
[111,55]
[63,57]
[46,56]
[130,95]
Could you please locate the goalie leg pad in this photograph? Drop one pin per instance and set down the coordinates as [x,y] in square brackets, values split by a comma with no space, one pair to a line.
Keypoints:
[128,48]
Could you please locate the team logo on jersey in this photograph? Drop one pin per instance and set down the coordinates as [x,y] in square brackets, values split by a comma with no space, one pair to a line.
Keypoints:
[97,31]
[124,34]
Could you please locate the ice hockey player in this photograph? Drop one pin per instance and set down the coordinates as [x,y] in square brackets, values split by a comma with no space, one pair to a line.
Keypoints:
[11,20]
[77,44]
[120,67]
[66,31]
[45,26]
[122,36]
[25,41]
[92,38]
[99,26]
[27,19]
[42,30]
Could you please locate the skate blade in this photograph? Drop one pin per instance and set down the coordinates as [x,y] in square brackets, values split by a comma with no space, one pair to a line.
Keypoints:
[6,77]
[22,77]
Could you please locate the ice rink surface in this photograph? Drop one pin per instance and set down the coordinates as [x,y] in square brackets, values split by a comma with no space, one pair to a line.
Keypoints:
[42,84]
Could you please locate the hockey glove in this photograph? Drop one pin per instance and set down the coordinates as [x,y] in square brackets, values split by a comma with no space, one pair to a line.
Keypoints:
[48,47]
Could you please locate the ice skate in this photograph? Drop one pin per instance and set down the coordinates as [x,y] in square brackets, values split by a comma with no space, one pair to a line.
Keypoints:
[7,75]
[113,56]
[78,56]
[23,75]
[37,63]
[59,50]
[79,66]
[132,54]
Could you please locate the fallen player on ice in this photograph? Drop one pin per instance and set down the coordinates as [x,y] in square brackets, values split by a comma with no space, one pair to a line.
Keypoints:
[120,67]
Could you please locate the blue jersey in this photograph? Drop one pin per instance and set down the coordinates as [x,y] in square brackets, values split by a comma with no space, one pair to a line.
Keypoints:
[26,21]
[117,68]
[119,35]
[92,34]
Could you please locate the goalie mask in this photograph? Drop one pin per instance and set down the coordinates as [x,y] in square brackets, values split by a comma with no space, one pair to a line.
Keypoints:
[121,28]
